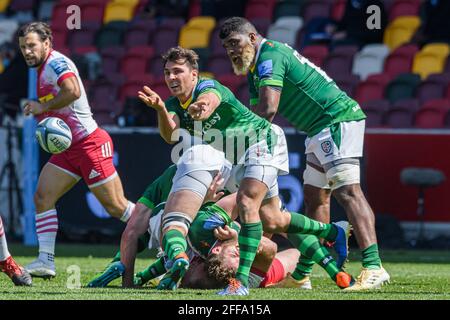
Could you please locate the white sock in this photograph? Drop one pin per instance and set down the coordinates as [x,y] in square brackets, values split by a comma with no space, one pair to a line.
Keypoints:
[128,212]
[46,229]
[4,253]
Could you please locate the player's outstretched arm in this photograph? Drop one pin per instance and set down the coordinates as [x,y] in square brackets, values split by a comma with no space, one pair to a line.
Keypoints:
[269,99]
[204,106]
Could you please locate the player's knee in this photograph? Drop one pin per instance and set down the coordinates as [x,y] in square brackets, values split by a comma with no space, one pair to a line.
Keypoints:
[43,201]
[348,194]
[344,174]
[247,206]
[176,220]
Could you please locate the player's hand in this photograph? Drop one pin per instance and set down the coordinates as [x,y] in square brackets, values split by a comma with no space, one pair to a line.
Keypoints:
[34,108]
[151,98]
[198,109]
[212,195]
[225,233]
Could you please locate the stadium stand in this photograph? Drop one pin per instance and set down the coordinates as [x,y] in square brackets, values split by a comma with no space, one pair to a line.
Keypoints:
[125,39]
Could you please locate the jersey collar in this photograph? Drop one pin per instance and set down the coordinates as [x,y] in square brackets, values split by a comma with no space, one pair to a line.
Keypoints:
[189,101]
[252,68]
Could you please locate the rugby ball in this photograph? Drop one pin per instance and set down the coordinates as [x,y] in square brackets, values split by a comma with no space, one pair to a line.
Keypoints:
[53,135]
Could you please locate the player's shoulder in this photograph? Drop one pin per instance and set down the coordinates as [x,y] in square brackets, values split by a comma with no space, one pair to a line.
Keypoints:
[58,62]
[207,83]
[172,102]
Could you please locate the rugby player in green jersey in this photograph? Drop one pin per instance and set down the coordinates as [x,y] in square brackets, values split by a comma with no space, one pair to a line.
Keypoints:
[281,80]
[257,149]
[212,240]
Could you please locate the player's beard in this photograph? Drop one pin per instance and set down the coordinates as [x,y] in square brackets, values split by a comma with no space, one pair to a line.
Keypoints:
[245,61]
[39,60]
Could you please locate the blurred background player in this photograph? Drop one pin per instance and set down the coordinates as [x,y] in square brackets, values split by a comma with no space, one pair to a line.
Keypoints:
[280,79]
[15,272]
[61,94]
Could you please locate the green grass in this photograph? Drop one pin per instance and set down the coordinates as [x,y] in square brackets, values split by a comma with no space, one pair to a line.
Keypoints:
[416,275]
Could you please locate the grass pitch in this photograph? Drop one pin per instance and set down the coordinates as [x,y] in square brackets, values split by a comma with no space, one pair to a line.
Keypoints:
[415,275]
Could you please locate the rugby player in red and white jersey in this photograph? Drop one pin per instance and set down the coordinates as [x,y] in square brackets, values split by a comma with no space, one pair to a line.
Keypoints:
[61,94]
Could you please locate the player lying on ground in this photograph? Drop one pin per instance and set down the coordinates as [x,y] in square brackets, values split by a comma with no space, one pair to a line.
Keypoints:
[201,237]
[90,157]
[210,111]
[15,272]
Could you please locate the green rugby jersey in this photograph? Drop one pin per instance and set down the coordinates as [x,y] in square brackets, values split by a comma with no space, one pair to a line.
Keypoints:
[230,119]
[201,233]
[158,191]
[310,99]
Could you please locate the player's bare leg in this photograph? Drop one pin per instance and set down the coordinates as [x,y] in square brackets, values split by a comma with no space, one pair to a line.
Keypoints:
[180,210]
[111,196]
[53,184]
[360,214]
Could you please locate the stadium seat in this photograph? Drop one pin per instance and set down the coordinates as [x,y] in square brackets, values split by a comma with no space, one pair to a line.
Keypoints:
[402,87]
[404,8]
[315,53]
[166,35]
[398,62]
[347,83]
[119,11]
[374,111]
[215,43]
[338,9]
[438,104]
[410,104]
[136,61]
[196,33]
[400,31]
[371,89]
[439,49]
[59,17]
[261,24]
[259,9]
[140,33]
[110,59]
[82,37]
[365,64]
[286,9]
[59,39]
[430,89]
[338,63]
[162,90]
[426,63]
[315,9]
[93,14]
[429,118]
[231,81]
[4,5]
[219,65]
[398,118]
[111,34]
[285,30]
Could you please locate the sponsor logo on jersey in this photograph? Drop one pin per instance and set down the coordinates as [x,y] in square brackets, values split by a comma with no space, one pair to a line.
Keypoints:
[327,147]
[211,122]
[59,65]
[265,69]
[205,84]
